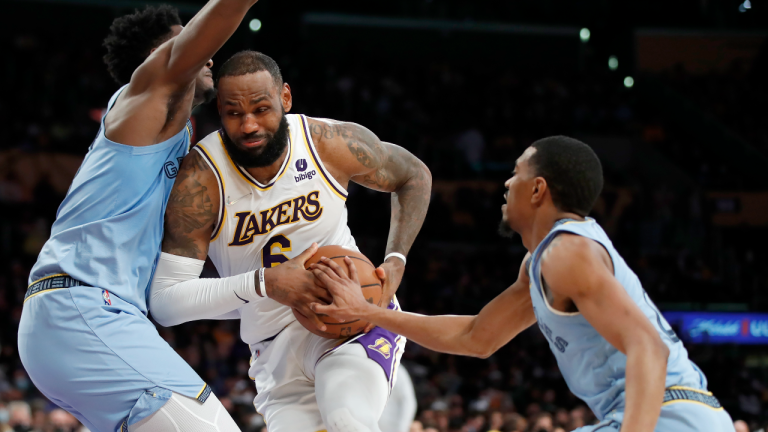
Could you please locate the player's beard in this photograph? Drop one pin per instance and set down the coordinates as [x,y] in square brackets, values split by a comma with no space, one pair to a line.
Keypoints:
[272,150]
[505,230]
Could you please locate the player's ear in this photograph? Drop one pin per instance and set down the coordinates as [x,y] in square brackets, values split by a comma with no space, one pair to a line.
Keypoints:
[286,97]
[540,188]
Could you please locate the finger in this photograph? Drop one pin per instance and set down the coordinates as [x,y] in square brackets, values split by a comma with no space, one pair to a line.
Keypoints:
[322,294]
[334,275]
[352,270]
[336,268]
[381,274]
[323,277]
[324,310]
[312,316]
[369,327]
[307,254]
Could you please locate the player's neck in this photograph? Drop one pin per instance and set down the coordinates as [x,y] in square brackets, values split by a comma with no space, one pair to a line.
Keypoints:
[264,174]
[543,223]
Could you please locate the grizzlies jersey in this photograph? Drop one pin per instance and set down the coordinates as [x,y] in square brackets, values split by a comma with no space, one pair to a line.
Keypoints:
[109,227]
[593,369]
[263,225]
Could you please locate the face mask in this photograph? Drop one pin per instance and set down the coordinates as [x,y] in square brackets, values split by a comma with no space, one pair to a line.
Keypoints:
[21,383]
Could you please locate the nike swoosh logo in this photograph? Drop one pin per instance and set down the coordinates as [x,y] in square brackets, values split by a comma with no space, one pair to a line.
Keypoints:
[244,300]
[230,201]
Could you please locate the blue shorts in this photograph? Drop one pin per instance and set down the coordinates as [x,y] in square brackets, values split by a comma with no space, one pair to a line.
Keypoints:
[100,358]
[676,416]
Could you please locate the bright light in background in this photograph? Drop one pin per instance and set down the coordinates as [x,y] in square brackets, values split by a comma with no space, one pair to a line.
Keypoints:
[629,82]
[744,6]
[255,25]
[613,63]
[584,35]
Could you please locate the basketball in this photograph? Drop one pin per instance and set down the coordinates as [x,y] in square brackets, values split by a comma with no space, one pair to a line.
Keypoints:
[369,282]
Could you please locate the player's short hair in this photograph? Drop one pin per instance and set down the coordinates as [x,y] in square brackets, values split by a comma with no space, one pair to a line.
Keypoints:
[132,37]
[572,170]
[248,62]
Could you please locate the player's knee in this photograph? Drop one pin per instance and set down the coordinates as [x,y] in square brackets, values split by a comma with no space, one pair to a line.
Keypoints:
[341,420]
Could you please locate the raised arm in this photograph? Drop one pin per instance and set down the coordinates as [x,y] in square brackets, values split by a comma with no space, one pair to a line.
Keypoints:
[159,98]
[354,153]
[580,269]
[480,336]
[177,63]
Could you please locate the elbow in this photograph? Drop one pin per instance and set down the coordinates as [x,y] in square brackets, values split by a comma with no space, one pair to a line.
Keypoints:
[162,319]
[482,351]
[426,174]
[160,314]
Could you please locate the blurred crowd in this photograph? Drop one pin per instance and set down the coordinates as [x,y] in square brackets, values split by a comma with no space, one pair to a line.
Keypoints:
[468,124]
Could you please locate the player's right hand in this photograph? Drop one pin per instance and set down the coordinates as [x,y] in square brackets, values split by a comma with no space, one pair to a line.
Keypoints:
[290,284]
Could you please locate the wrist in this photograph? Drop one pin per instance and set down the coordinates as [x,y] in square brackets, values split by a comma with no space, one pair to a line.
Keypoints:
[269,281]
[369,310]
[395,258]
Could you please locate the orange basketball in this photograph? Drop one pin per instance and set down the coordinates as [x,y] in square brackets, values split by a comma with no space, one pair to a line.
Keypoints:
[369,282]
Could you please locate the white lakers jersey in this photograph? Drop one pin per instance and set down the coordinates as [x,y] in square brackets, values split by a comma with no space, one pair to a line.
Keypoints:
[263,225]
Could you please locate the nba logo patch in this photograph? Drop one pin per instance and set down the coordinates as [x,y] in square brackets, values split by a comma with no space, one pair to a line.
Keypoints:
[383,347]
[301,165]
[105,296]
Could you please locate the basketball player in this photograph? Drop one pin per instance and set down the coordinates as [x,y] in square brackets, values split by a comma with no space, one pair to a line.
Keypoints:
[401,407]
[255,195]
[84,337]
[614,349]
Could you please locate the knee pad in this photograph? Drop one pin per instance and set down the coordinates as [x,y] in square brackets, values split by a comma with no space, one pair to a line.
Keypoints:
[342,420]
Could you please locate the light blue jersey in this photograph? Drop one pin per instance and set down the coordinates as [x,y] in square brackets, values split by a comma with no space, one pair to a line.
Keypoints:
[84,336]
[594,370]
[109,227]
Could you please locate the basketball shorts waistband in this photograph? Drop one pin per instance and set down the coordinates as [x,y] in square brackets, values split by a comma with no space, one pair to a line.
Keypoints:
[681,394]
[54,282]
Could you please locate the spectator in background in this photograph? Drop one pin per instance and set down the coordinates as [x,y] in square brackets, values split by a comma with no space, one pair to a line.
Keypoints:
[20,416]
[63,421]
[542,423]
[741,426]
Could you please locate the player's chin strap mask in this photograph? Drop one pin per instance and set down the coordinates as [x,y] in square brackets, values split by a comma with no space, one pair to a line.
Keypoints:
[178,295]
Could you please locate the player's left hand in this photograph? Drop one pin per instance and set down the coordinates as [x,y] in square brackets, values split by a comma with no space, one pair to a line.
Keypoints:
[348,300]
[391,274]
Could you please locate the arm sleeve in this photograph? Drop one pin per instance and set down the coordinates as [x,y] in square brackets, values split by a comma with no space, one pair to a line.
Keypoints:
[178,295]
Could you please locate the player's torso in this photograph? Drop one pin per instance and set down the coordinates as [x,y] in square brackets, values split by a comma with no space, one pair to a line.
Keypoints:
[592,367]
[264,225]
[109,227]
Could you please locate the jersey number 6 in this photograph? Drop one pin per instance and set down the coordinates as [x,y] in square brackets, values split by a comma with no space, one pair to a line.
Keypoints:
[272,253]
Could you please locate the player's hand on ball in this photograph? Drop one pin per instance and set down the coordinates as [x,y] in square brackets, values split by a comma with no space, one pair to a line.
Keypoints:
[348,301]
[290,284]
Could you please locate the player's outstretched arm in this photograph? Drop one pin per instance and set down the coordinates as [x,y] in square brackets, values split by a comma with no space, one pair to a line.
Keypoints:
[479,336]
[160,94]
[354,153]
[580,269]
[177,63]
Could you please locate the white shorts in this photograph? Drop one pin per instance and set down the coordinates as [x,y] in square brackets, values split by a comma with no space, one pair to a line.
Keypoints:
[283,370]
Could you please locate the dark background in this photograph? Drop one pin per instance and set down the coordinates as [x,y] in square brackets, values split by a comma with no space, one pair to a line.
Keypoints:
[465,86]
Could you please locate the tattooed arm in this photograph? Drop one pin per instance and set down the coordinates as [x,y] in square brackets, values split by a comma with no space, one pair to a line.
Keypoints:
[353,153]
[191,212]
[177,295]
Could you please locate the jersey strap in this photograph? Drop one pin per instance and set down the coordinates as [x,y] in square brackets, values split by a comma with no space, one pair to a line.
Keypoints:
[330,181]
